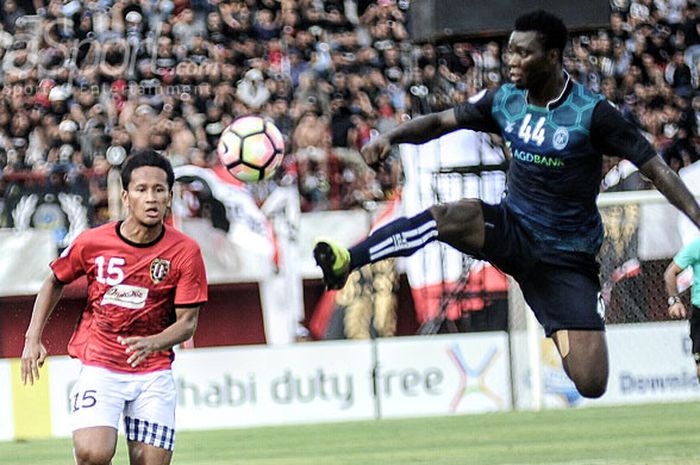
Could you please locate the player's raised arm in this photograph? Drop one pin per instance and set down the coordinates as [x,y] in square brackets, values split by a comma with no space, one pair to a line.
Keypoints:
[416,131]
[612,134]
[34,352]
[474,114]
[672,187]
[140,347]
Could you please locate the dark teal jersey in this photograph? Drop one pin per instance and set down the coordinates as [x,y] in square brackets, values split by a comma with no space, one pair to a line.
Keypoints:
[554,175]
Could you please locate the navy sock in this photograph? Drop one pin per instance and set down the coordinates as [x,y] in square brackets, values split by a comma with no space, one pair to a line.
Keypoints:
[400,238]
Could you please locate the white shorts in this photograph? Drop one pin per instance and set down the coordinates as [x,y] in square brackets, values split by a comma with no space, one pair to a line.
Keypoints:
[147,401]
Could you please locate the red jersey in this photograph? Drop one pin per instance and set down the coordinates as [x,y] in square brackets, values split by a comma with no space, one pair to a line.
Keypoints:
[133,290]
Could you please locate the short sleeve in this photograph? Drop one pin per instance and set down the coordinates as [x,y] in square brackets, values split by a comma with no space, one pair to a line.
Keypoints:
[613,135]
[688,256]
[70,265]
[475,114]
[191,288]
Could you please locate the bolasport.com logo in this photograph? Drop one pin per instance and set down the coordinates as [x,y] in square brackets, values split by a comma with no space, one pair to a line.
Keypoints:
[472,379]
[50,49]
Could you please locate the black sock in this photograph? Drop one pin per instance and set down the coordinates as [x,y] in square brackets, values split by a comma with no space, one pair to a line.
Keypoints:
[400,238]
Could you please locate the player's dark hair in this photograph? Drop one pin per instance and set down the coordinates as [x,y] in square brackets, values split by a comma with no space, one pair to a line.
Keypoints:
[146,158]
[549,27]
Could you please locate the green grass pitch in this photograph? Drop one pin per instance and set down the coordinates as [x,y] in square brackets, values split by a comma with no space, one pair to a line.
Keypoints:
[641,435]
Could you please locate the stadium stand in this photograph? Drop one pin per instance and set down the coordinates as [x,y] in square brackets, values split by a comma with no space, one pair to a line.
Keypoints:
[81,77]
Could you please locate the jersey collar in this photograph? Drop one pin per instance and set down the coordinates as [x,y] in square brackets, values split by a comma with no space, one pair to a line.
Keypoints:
[559,99]
[138,244]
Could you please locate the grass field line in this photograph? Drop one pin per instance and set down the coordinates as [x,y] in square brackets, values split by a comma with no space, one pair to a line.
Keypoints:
[651,434]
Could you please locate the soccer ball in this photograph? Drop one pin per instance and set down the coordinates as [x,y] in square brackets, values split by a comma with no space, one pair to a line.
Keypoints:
[251,148]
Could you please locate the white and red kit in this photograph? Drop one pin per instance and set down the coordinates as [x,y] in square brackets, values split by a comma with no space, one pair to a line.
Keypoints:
[133,290]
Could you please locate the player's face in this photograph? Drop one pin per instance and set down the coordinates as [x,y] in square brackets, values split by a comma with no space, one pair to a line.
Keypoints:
[147,196]
[529,64]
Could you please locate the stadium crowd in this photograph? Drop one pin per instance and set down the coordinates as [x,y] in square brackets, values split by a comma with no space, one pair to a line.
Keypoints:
[81,79]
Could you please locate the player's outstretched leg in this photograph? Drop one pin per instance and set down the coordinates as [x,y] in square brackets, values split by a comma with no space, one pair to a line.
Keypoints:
[585,358]
[459,224]
[399,238]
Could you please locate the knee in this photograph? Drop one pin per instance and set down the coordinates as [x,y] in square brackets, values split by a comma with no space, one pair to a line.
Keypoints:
[592,388]
[92,455]
[439,212]
[456,217]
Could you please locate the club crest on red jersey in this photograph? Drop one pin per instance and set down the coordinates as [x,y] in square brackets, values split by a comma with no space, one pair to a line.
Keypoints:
[159,269]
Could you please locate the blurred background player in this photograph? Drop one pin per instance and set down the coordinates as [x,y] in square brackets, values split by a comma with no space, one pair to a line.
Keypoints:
[689,256]
[146,284]
[547,230]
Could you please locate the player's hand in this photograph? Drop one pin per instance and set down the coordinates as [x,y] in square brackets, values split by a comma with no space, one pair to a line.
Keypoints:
[33,357]
[138,348]
[677,310]
[376,151]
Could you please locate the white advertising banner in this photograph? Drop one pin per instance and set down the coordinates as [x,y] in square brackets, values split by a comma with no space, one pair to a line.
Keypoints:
[6,407]
[323,381]
[442,375]
[414,376]
[315,382]
[651,362]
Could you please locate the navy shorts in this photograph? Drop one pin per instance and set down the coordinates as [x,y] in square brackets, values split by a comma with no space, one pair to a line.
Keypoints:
[561,287]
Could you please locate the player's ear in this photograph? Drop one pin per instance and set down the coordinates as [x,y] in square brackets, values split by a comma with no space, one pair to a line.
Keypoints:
[554,55]
[125,199]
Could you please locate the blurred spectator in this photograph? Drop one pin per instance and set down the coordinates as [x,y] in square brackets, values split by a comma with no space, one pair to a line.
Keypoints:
[9,14]
[678,75]
[311,132]
[342,127]
[279,112]
[251,90]
[186,26]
